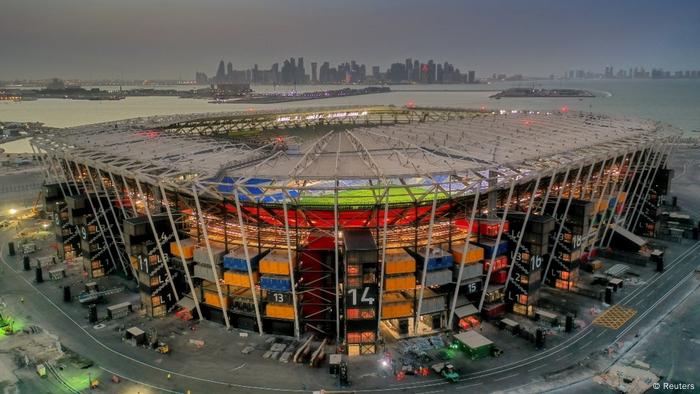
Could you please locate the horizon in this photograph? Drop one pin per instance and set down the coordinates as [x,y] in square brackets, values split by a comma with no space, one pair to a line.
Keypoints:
[80,39]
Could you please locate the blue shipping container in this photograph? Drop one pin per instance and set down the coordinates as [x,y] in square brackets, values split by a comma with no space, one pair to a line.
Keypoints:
[236,260]
[437,263]
[276,283]
[489,246]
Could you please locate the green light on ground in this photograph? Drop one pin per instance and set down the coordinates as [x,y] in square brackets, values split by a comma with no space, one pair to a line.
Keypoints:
[16,324]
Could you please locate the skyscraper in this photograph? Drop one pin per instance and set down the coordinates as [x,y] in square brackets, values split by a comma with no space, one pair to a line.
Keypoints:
[471,76]
[314,78]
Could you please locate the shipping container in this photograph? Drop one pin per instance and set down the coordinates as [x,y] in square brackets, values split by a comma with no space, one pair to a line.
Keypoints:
[206,272]
[492,311]
[187,248]
[361,337]
[475,345]
[437,258]
[395,305]
[277,262]
[499,263]
[236,260]
[489,246]
[212,298]
[275,283]
[474,254]
[240,279]
[399,262]
[499,277]
[468,272]
[432,302]
[438,278]
[489,228]
[201,255]
[399,282]
[280,311]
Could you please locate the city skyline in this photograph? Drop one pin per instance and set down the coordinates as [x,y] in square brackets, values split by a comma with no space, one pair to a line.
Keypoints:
[93,40]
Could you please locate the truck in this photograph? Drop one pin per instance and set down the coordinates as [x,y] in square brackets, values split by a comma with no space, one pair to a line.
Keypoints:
[447,370]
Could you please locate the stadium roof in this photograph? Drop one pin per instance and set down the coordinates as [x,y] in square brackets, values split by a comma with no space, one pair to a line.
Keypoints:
[327,145]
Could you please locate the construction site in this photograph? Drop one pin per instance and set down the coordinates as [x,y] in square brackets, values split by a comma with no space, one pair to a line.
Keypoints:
[349,230]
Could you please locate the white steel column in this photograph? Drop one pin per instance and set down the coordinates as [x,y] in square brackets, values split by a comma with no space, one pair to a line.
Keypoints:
[104,212]
[297,331]
[156,237]
[563,220]
[602,193]
[244,239]
[495,246]
[337,263]
[641,180]
[547,192]
[166,203]
[94,211]
[203,224]
[522,230]
[116,218]
[383,267]
[128,194]
[119,195]
[646,186]
[625,186]
[425,261]
[662,162]
[465,250]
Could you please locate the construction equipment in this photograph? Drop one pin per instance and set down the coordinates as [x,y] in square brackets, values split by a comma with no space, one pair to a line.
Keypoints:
[447,370]
[91,296]
[163,348]
[94,384]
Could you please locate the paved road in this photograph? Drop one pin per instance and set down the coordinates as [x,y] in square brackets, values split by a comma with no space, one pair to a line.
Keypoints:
[660,293]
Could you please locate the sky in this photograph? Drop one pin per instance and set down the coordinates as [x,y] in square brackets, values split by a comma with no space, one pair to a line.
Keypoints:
[163,39]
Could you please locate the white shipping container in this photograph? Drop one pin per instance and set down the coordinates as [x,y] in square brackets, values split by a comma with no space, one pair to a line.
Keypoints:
[437,278]
[433,304]
[469,271]
[205,272]
[201,255]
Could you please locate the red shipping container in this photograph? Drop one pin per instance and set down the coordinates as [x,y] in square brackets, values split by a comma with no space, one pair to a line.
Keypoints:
[593,254]
[499,263]
[499,277]
[490,229]
[495,310]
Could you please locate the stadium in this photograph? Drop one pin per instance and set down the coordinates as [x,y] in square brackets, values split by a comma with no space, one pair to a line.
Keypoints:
[354,223]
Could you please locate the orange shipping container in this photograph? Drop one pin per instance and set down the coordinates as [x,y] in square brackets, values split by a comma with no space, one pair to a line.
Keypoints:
[403,282]
[280,311]
[474,253]
[239,279]
[211,298]
[403,265]
[187,248]
[397,309]
[276,263]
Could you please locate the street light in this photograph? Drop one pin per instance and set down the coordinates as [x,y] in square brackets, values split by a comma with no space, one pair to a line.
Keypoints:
[12,211]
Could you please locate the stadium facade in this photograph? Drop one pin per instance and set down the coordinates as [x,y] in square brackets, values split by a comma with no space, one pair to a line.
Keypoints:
[351,223]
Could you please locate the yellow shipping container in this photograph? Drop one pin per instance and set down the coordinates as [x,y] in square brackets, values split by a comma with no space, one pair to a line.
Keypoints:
[280,311]
[212,298]
[402,265]
[474,253]
[397,309]
[187,248]
[239,279]
[621,197]
[403,282]
[276,262]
